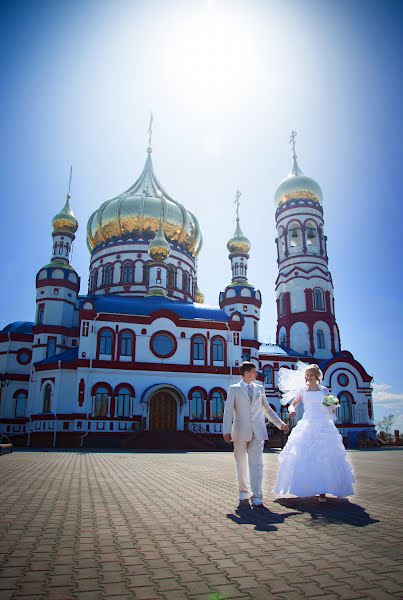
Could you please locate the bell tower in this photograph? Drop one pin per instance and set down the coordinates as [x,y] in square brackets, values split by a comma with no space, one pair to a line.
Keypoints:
[306,321]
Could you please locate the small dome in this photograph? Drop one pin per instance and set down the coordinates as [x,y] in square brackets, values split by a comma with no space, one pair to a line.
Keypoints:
[65,221]
[159,247]
[298,186]
[238,244]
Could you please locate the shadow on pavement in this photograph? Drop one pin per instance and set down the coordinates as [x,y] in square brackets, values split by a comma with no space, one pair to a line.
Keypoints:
[261,518]
[335,510]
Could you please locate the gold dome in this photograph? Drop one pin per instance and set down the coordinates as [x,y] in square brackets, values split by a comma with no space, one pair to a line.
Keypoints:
[238,244]
[136,213]
[159,248]
[65,221]
[298,186]
[199,297]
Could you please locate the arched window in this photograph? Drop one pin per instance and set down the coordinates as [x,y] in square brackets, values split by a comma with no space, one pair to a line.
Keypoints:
[105,342]
[20,404]
[197,405]
[101,402]
[123,403]
[318,302]
[185,282]
[171,277]
[41,314]
[126,344]
[282,304]
[255,330]
[283,339]
[108,275]
[217,405]
[320,336]
[268,375]
[198,348]
[127,272]
[346,410]
[47,398]
[218,350]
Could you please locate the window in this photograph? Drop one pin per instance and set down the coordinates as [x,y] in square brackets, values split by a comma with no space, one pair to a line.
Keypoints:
[51,347]
[346,411]
[318,302]
[171,277]
[47,396]
[163,345]
[127,272]
[236,339]
[342,379]
[93,279]
[218,350]
[185,282]
[198,348]
[283,339]
[217,405]
[282,304]
[108,275]
[101,402]
[105,342]
[268,375]
[41,314]
[123,403]
[85,328]
[126,344]
[197,405]
[320,336]
[20,404]
[245,355]
[255,333]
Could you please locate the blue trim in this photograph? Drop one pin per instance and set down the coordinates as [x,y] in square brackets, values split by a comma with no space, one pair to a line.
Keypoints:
[71,354]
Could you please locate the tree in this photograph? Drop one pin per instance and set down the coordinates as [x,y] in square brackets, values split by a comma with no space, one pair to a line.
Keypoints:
[386,424]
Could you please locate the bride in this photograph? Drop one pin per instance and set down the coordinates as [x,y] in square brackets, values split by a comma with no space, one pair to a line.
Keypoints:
[314,461]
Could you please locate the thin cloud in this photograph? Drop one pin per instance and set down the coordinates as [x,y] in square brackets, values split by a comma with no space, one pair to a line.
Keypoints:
[382,395]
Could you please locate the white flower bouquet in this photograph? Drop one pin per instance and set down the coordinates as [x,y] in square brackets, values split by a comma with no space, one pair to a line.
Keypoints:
[331,401]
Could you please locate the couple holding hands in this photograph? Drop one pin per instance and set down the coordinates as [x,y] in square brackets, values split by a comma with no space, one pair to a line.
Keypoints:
[312,463]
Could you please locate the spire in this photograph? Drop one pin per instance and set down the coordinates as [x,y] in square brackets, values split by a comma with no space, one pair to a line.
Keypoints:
[65,221]
[295,169]
[238,244]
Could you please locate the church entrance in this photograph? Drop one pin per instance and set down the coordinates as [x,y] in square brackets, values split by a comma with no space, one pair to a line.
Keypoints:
[162,412]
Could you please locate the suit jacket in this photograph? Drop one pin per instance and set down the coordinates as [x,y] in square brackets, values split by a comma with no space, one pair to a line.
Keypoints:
[243,417]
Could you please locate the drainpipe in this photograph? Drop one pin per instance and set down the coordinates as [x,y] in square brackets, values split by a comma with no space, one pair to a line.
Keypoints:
[54,413]
[84,434]
[230,337]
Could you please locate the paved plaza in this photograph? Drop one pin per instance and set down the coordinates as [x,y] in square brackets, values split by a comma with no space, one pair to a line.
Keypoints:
[165,525]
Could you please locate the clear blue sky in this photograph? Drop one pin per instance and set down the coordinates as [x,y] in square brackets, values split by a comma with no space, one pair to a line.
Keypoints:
[227,81]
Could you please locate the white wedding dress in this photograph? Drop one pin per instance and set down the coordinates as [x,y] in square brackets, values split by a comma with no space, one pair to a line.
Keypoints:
[314,460]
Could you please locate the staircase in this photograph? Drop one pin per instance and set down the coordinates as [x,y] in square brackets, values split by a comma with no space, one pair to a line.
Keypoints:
[168,440]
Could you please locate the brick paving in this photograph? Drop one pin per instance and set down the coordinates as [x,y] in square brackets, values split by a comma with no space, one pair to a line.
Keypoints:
[116,525]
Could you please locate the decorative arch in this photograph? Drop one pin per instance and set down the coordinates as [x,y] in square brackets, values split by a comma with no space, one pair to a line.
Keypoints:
[47,393]
[200,389]
[100,384]
[127,272]
[122,400]
[319,299]
[124,385]
[346,407]
[107,275]
[217,399]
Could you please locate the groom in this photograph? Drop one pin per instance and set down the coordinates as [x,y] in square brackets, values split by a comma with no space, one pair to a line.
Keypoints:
[244,423]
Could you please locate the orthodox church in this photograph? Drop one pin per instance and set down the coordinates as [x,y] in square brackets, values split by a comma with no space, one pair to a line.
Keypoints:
[140,356]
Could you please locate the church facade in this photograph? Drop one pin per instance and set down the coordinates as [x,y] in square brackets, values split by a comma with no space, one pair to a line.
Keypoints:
[140,352]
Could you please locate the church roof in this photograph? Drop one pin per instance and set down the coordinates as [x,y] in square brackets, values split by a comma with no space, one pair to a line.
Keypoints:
[18,327]
[71,354]
[125,305]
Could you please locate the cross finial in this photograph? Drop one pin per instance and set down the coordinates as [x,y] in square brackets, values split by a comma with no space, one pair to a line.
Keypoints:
[292,141]
[237,196]
[71,175]
[150,130]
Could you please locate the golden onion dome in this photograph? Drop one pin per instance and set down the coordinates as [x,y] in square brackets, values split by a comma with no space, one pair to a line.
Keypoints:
[159,248]
[136,214]
[238,244]
[298,186]
[199,297]
[65,221]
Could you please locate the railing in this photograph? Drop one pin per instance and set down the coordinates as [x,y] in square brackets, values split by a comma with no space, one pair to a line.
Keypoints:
[205,427]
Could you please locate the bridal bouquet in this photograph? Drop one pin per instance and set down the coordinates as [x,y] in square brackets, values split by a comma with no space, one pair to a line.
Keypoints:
[330,401]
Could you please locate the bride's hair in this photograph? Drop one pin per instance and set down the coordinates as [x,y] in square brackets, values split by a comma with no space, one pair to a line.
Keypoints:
[315,370]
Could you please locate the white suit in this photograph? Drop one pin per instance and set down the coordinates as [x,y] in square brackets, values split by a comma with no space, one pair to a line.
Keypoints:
[245,420]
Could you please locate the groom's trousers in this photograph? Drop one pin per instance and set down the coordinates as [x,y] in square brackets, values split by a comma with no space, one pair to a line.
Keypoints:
[249,462]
